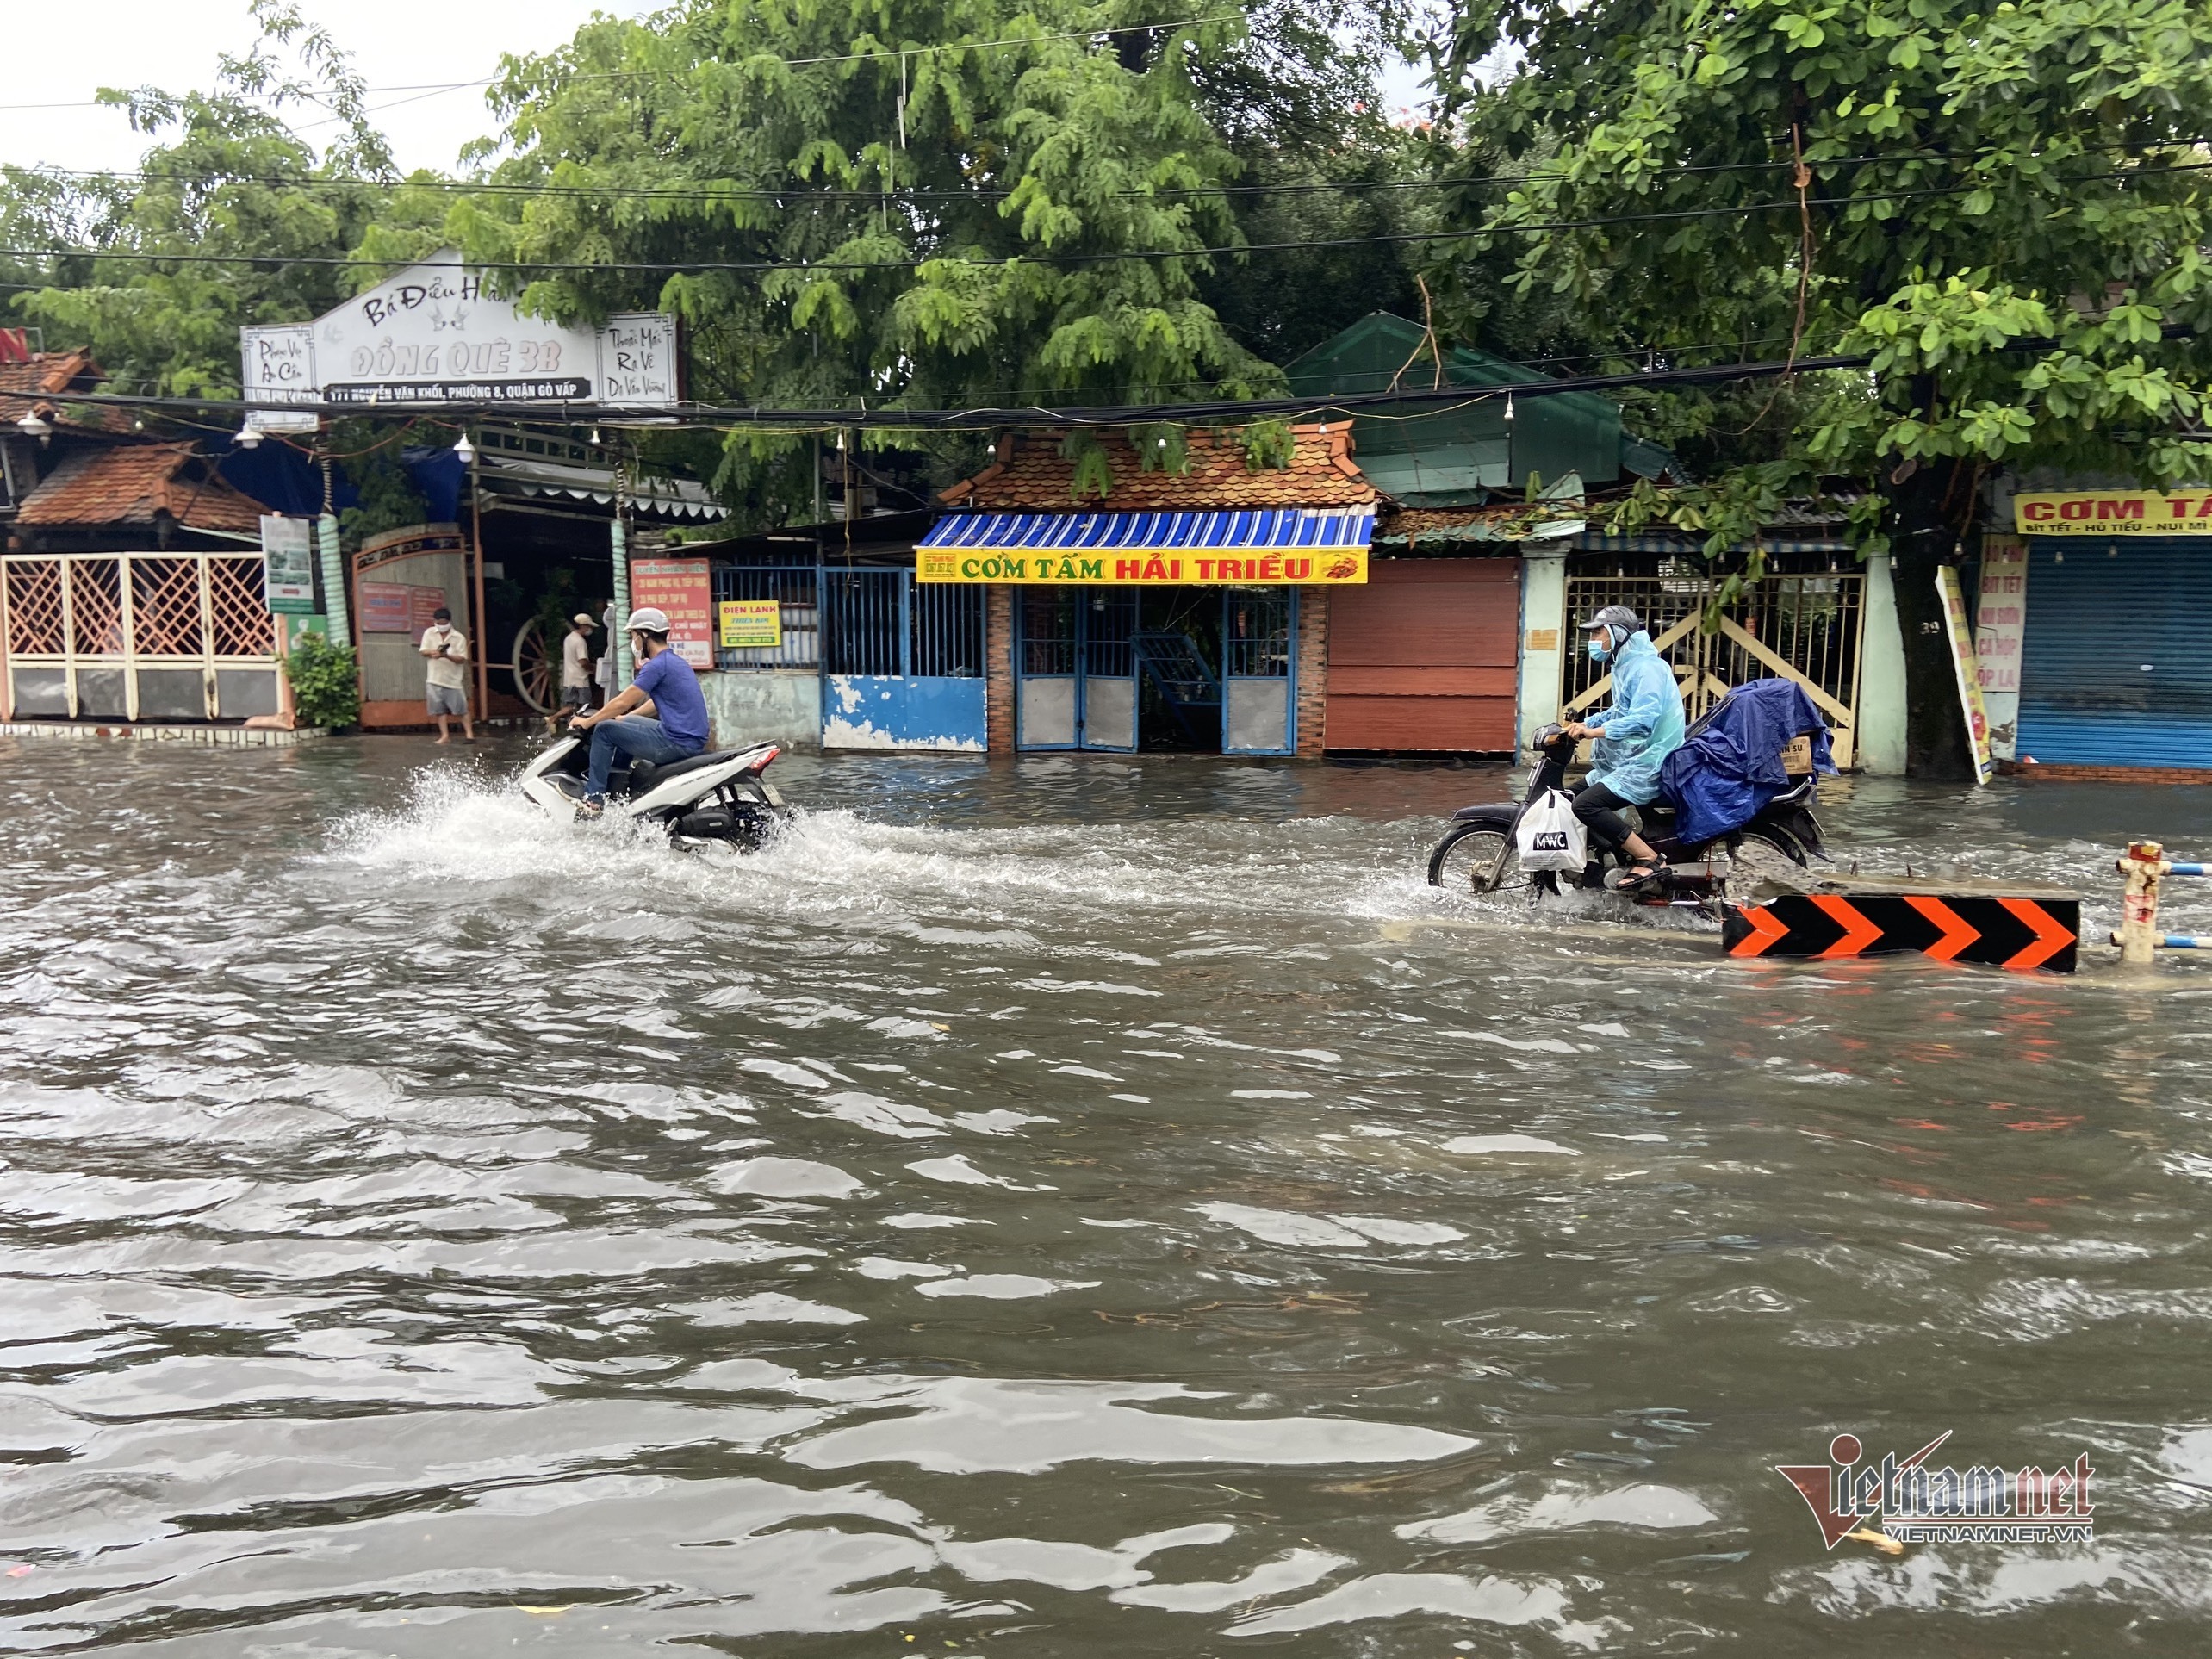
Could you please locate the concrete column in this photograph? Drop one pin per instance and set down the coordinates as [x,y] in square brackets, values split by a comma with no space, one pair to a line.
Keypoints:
[1880,749]
[619,543]
[1544,638]
[333,575]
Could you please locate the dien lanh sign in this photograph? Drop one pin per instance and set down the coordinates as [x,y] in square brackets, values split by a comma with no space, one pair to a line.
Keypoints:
[2114,513]
[1305,566]
[750,624]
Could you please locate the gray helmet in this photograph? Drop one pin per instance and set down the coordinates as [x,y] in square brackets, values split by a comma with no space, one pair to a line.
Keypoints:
[1614,616]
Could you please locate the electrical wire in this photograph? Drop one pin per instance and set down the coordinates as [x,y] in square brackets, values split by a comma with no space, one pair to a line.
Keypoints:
[882,54]
[770,267]
[1329,406]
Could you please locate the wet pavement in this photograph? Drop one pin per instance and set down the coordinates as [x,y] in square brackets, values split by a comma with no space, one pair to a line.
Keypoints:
[1077,1207]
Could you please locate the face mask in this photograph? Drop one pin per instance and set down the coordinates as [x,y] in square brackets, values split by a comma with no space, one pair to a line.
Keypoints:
[1598,651]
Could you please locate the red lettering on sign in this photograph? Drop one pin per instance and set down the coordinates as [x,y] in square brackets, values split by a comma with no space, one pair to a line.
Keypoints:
[1232,570]
[2076,510]
[2120,509]
[1125,570]
[1205,570]
[1297,569]
[1155,569]
[2035,511]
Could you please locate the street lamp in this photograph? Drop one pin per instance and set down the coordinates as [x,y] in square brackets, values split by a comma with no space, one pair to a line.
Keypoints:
[463,450]
[33,425]
[247,437]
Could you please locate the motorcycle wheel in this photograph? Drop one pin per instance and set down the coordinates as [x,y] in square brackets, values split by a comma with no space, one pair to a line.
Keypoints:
[1467,861]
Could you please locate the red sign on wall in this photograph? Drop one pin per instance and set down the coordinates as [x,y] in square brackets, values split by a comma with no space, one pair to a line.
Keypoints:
[685,589]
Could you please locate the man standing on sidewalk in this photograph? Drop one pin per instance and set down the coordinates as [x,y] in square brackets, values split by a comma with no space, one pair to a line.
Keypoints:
[575,671]
[446,690]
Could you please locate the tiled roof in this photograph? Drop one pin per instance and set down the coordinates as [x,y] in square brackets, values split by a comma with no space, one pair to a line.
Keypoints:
[131,483]
[1032,474]
[40,381]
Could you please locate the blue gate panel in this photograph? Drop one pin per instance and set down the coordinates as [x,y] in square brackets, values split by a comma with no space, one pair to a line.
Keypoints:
[887,711]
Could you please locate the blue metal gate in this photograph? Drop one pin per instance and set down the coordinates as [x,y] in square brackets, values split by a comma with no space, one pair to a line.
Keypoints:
[901,662]
[1076,661]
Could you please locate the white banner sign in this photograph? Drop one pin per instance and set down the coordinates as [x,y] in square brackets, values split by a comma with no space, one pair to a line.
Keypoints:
[2000,626]
[432,335]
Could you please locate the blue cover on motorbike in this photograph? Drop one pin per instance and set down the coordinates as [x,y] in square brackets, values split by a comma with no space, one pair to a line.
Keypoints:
[1730,766]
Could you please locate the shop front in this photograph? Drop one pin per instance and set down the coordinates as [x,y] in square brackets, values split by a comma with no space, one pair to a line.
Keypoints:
[1156,630]
[2113,675]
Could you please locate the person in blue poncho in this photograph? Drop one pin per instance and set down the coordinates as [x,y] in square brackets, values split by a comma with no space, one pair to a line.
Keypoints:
[1640,729]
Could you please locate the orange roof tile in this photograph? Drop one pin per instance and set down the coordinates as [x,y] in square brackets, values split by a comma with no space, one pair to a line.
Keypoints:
[131,483]
[43,380]
[1032,475]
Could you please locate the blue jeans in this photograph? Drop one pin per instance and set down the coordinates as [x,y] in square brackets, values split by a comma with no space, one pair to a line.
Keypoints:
[637,738]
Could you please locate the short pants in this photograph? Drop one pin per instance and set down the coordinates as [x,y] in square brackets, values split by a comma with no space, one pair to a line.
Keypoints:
[576,696]
[447,700]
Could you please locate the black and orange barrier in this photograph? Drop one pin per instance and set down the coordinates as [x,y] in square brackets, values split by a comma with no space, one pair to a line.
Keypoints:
[2021,934]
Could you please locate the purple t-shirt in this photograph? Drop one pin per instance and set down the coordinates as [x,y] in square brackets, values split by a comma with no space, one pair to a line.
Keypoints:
[677,700]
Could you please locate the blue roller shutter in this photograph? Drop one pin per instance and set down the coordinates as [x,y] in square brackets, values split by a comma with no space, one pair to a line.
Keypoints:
[2116,669]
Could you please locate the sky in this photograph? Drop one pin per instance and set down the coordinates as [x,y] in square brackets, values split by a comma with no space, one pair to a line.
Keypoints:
[400,45]
[79,47]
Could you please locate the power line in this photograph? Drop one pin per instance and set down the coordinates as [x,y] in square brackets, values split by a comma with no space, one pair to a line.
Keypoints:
[1327,406]
[800,191]
[880,55]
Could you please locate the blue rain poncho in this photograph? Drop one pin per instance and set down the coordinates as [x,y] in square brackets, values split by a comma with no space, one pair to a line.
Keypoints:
[1642,725]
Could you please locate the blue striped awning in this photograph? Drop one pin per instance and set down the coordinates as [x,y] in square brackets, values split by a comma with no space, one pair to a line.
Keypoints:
[1264,529]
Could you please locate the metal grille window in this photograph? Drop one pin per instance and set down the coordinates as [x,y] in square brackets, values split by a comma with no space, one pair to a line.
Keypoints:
[794,591]
[946,630]
[1256,635]
[1801,626]
[1048,628]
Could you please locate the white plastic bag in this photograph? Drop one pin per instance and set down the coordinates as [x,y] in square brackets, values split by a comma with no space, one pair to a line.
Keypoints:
[1551,836]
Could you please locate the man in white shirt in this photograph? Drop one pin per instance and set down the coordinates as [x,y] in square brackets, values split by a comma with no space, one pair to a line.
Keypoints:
[446,687]
[576,670]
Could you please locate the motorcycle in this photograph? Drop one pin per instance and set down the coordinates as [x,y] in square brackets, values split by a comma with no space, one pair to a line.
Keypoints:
[719,797]
[1477,853]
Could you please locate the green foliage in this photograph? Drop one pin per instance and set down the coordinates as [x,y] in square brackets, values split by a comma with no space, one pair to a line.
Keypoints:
[1269,446]
[326,681]
[1094,469]
[1025,177]
[1997,206]
[1161,446]
[227,177]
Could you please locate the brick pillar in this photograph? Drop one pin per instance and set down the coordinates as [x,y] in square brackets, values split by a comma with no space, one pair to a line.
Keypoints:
[1313,669]
[998,668]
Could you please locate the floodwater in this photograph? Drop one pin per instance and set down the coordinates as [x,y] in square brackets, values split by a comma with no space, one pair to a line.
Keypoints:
[1075,1208]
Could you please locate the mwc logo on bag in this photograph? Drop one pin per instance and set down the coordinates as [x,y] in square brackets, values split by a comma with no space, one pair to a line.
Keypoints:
[1551,836]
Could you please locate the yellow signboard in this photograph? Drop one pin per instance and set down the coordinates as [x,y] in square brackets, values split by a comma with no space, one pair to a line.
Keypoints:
[751,624]
[1138,567]
[2114,513]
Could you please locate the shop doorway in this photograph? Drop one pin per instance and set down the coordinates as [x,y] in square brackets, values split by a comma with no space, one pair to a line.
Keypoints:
[1199,670]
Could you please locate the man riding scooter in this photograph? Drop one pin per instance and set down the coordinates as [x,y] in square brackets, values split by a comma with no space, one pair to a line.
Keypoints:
[1641,728]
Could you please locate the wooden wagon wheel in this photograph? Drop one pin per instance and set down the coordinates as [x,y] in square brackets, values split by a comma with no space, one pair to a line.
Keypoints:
[533,667]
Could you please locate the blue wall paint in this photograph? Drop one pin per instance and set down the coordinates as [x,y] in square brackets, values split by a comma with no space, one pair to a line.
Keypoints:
[884,712]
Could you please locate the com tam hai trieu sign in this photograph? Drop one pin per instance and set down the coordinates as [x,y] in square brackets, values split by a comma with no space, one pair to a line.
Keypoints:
[1299,546]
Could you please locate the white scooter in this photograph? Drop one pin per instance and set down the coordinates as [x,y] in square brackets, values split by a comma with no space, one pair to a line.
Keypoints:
[716,797]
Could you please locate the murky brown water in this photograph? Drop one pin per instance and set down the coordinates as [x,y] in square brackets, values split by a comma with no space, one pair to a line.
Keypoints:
[1071,1208]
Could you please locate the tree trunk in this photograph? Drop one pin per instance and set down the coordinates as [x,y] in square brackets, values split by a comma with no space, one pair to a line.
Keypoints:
[1925,521]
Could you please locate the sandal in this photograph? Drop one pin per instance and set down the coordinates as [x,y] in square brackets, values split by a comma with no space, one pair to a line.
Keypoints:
[1640,874]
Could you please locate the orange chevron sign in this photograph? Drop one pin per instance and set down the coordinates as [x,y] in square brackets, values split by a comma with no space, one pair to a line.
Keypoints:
[2020,933]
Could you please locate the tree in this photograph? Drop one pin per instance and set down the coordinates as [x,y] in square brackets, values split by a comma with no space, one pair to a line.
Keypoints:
[2003,204]
[930,203]
[228,177]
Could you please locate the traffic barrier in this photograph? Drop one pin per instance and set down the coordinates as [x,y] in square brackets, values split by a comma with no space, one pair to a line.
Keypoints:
[2139,938]
[2020,933]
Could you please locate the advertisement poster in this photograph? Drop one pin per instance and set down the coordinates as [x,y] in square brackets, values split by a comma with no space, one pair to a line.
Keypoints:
[288,565]
[383,607]
[1962,637]
[2113,512]
[685,589]
[751,624]
[2000,627]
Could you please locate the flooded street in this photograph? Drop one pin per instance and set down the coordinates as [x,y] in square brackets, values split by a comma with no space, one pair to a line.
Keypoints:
[1077,1208]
